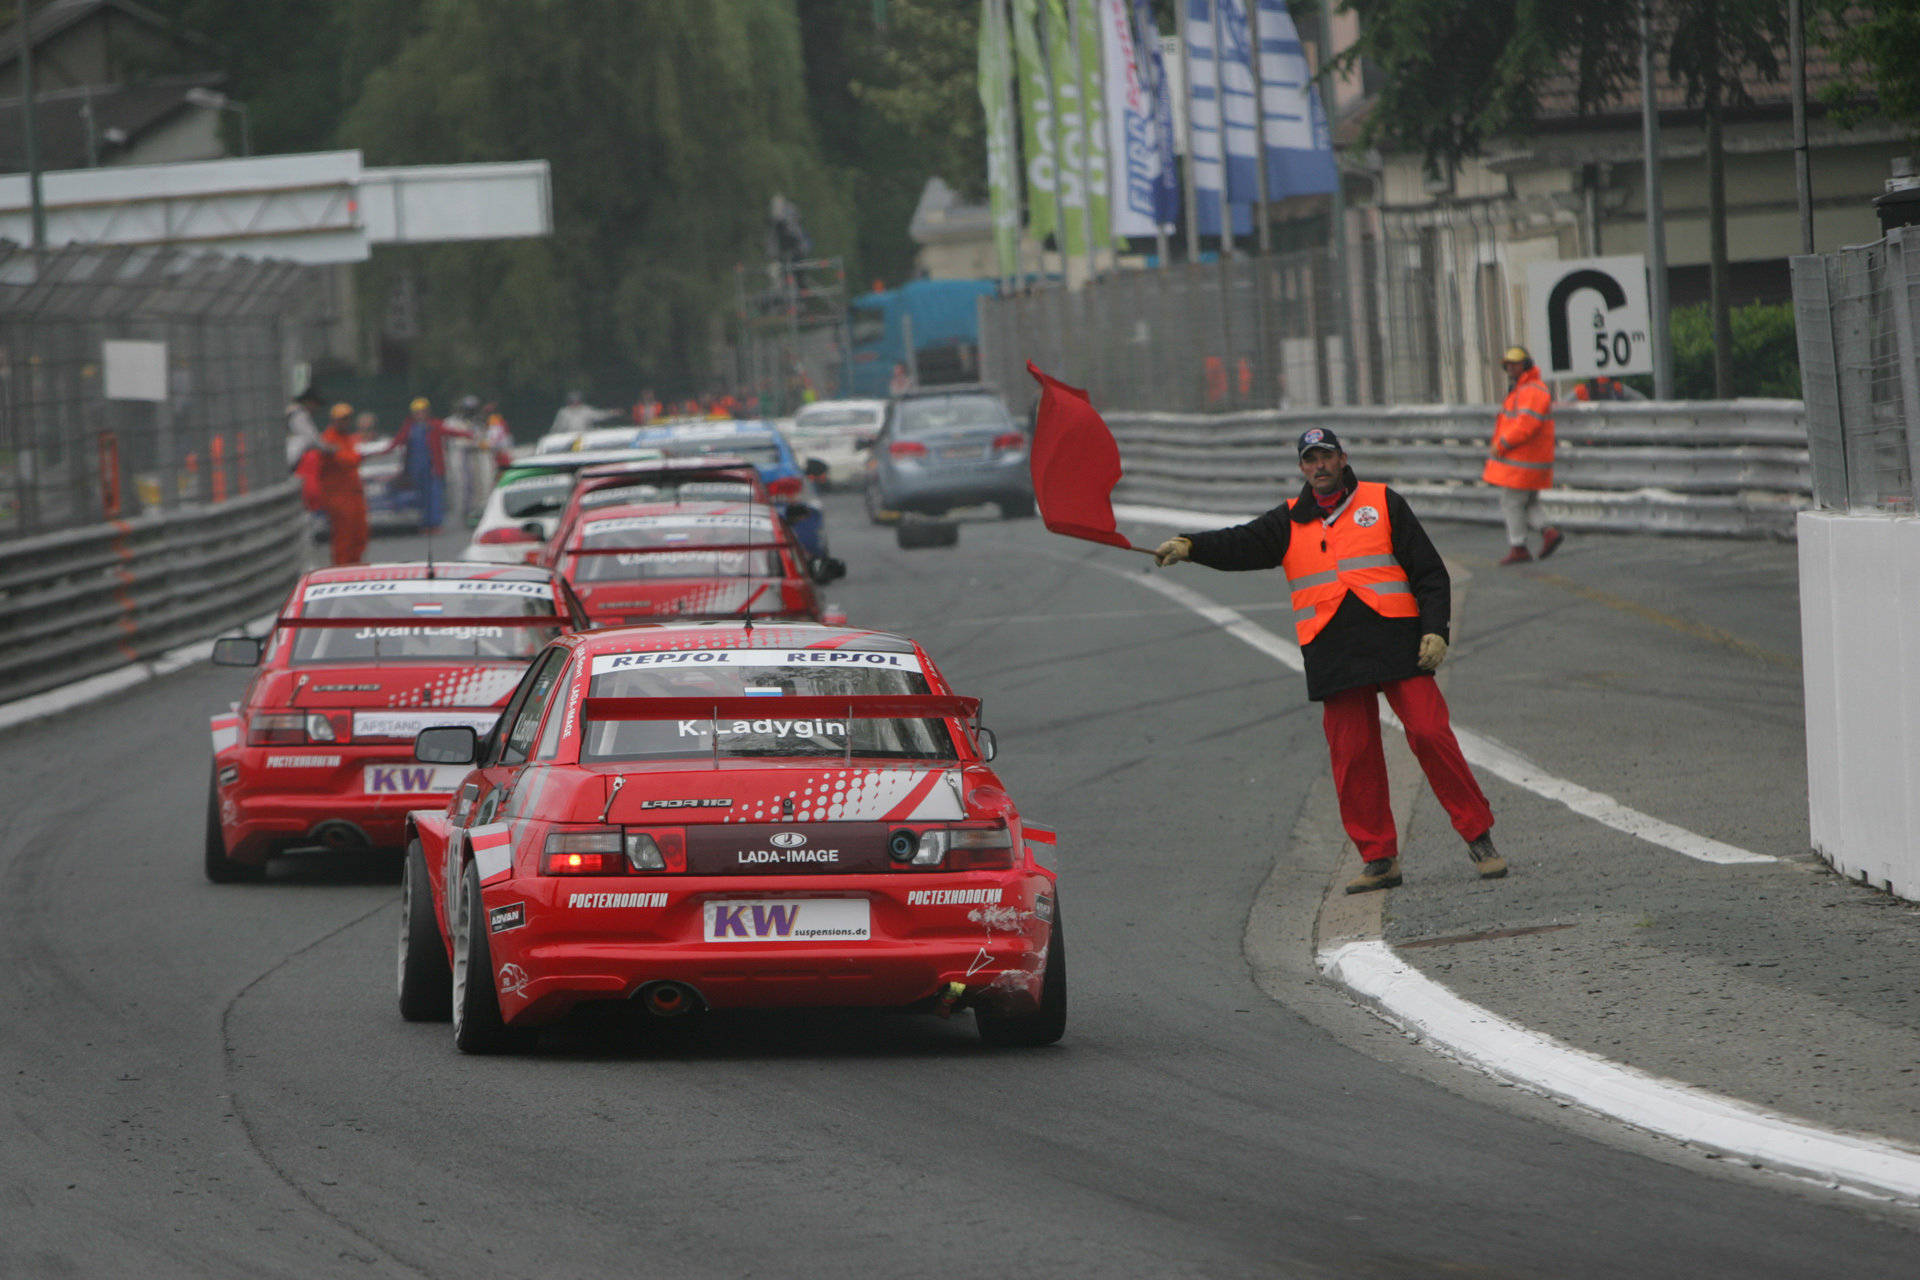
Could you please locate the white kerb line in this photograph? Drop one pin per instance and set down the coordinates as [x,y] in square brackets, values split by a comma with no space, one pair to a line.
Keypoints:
[1500,760]
[1369,969]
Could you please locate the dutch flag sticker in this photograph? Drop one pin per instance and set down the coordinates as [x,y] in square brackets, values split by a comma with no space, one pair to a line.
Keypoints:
[429,606]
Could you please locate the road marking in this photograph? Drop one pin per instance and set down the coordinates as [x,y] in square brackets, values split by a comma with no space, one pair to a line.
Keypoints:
[94,688]
[1370,970]
[1495,757]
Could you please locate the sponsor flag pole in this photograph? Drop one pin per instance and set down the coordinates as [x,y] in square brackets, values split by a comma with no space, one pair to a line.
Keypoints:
[1036,118]
[1075,465]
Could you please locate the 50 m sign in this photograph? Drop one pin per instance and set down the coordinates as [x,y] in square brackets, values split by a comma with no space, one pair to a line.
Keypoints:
[1588,317]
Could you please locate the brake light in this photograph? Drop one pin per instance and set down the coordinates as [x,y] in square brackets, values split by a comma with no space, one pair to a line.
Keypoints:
[965,848]
[294,728]
[907,449]
[1009,442]
[610,851]
[506,533]
[785,487]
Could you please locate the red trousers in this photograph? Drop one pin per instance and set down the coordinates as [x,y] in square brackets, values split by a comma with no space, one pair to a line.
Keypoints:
[347,520]
[1352,719]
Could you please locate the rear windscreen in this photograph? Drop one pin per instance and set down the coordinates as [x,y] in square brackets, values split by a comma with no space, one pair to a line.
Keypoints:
[772,674]
[761,453]
[693,490]
[676,546]
[951,413]
[836,418]
[400,622]
[536,495]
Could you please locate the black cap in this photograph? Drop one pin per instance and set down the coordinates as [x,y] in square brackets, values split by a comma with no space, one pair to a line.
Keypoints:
[1319,438]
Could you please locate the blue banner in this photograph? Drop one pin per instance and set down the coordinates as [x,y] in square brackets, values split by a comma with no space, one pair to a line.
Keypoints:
[1299,145]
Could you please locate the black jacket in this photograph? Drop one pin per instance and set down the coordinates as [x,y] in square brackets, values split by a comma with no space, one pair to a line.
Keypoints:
[1357,646]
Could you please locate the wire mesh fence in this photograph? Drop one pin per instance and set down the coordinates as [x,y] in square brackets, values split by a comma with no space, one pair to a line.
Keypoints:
[1247,333]
[210,425]
[1857,312]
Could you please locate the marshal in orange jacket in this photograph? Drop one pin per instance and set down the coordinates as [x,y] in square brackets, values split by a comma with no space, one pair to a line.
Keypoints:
[1522,453]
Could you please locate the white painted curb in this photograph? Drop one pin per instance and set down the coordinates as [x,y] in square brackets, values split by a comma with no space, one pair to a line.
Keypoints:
[94,688]
[1370,971]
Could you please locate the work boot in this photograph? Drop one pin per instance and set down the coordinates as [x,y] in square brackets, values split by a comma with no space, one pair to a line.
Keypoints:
[1381,873]
[1486,861]
[1550,540]
[1519,555]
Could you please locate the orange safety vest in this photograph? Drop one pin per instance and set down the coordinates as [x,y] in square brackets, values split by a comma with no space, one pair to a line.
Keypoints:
[1354,553]
[1523,437]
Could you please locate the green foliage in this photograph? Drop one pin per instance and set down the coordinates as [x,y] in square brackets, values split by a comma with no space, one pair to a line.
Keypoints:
[1766,361]
[669,127]
[1455,73]
[1713,41]
[923,78]
[1877,50]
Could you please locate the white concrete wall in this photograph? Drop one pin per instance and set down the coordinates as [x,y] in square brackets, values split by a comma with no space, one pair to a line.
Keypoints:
[1860,646]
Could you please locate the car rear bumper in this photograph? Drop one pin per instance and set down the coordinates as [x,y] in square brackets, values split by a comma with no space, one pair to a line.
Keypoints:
[935,491]
[261,818]
[562,955]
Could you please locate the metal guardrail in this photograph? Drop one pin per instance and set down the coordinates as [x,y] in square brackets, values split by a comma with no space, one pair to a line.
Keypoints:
[1728,468]
[77,603]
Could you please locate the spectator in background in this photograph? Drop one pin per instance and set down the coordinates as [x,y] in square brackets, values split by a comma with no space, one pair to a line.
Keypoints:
[575,416]
[648,410]
[902,381]
[467,487]
[422,437]
[498,440]
[302,433]
[366,432]
[341,494]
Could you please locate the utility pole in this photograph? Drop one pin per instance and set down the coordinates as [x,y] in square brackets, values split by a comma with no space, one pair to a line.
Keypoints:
[1802,166]
[31,128]
[1332,106]
[1186,121]
[1656,213]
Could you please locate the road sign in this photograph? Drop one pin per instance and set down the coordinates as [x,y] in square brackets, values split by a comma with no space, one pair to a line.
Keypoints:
[1588,317]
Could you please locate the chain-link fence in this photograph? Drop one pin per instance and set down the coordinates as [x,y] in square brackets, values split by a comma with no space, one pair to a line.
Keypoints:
[1429,312]
[1858,321]
[233,331]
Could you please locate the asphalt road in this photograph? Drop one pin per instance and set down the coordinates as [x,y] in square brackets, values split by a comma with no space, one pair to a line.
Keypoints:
[212,1080]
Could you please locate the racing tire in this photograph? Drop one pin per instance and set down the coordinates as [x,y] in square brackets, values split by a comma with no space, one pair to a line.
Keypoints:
[912,535]
[1017,508]
[477,1024]
[425,978]
[220,868]
[1048,1023]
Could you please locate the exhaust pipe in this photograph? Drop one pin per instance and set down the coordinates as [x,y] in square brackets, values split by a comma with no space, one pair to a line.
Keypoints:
[339,836]
[670,999]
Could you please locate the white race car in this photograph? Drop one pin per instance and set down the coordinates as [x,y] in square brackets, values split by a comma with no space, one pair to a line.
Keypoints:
[525,505]
[837,432]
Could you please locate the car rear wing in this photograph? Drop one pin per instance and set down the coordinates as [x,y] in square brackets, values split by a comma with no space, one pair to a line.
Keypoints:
[657,551]
[432,620]
[905,706]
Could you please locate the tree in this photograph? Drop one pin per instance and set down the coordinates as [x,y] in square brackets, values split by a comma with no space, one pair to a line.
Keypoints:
[669,127]
[1876,48]
[1461,72]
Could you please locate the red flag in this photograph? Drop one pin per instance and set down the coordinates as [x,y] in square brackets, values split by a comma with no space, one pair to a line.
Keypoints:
[1075,464]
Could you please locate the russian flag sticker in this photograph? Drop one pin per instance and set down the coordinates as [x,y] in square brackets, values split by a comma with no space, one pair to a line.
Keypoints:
[492,851]
[429,606]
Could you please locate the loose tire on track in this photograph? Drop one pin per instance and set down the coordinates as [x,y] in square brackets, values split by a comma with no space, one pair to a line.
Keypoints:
[911,535]
[1049,1022]
[220,868]
[425,978]
[477,1025]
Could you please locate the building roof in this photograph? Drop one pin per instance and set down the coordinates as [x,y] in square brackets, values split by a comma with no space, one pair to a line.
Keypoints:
[49,20]
[941,216]
[121,115]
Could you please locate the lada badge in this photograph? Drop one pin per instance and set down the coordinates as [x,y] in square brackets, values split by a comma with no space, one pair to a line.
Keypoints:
[787,839]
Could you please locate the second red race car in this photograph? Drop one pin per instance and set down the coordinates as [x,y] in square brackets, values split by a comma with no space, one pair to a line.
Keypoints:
[318,753]
[726,816]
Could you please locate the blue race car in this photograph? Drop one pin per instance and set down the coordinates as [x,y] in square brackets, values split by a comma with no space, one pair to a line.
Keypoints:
[761,443]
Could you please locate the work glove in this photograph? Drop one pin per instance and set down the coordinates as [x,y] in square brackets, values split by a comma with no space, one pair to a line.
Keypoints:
[1172,551]
[1433,651]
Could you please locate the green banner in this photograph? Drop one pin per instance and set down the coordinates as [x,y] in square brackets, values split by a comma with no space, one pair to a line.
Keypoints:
[1089,30]
[1036,118]
[1072,128]
[1002,193]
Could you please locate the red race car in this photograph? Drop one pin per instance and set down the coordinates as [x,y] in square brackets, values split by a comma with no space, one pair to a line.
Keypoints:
[692,559]
[722,816]
[318,753]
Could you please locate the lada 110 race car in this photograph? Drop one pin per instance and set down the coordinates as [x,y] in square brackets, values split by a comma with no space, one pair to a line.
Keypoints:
[646,561]
[716,816]
[318,753]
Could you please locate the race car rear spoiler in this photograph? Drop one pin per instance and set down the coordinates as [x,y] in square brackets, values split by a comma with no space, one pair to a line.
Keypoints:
[702,546]
[432,620]
[912,706]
